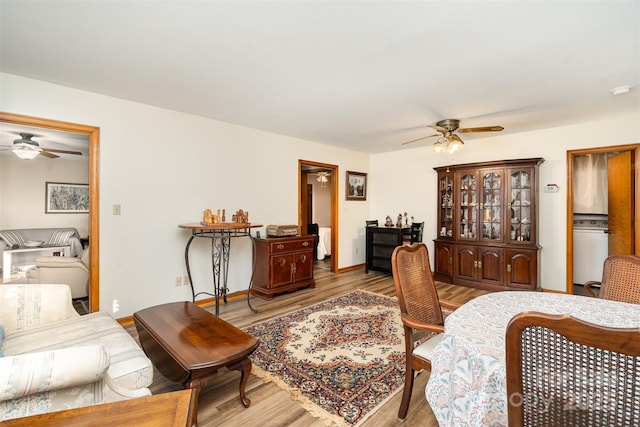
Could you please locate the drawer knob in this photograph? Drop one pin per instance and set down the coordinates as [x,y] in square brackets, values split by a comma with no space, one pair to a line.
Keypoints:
[305,244]
[280,246]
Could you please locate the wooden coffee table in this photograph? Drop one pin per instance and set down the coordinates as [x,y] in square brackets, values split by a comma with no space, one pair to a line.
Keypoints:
[174,409]
[188,345]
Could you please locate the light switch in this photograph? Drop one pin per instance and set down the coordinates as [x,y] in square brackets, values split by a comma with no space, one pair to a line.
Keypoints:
[116,209]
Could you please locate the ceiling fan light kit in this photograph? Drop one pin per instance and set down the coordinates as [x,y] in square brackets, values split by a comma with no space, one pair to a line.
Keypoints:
[25,153]
[26,148]
[448,141]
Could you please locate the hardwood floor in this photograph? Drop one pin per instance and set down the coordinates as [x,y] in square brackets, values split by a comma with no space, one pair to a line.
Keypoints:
[220,404]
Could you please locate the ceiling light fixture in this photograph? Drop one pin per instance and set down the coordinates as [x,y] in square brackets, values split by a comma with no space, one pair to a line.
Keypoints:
[449,143]
[620,90]
[25,152]
[323,178]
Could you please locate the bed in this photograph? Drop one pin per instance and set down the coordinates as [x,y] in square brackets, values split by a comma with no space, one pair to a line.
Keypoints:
[324,242]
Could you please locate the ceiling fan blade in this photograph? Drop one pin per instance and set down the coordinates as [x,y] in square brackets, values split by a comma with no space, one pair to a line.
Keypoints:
[419,139]
[47,154]
[482,129]
[53,150]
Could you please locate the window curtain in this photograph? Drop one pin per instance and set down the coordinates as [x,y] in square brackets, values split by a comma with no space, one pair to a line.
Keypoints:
[590,184]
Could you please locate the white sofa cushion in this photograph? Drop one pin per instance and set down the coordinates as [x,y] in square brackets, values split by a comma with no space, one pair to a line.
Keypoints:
[129,367]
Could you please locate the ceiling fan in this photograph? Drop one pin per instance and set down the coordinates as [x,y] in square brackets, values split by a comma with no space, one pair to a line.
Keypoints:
[26,148]
[448,140]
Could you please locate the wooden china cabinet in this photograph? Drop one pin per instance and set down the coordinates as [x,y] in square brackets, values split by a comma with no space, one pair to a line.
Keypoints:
[487,225]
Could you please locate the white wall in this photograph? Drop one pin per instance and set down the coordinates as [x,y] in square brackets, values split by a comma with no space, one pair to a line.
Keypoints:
[321,209]
[405,180]
[165,168]
[22,191]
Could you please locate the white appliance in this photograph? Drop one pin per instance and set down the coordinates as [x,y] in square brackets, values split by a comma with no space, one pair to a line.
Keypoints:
[590,249]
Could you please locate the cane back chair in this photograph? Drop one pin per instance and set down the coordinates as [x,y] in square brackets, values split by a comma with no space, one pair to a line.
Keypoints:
[420,309]
[563,371]
[620,279]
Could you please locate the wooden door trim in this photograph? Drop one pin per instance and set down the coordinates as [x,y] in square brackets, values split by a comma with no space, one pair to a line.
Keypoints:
[334,205]
[93,134]
[635,149]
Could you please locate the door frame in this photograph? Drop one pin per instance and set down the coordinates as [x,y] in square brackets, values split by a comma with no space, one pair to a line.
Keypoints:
[571,154]
[93,133]
[334,204]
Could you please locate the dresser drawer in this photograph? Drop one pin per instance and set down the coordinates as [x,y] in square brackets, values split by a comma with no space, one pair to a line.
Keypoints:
[291,245]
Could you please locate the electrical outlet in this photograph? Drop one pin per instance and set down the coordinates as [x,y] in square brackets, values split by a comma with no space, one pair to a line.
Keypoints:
[177,281]
[185,280]
[115,307]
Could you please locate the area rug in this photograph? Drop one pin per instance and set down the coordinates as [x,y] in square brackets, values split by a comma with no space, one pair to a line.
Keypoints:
[342,358]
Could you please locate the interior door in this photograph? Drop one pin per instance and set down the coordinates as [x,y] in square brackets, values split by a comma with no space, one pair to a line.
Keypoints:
[621,206]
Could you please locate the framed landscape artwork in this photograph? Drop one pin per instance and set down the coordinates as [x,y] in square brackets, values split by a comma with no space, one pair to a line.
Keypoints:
[63,197]
[356,186]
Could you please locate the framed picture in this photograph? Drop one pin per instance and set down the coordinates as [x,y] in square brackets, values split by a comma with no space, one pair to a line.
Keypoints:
[356,186]
[61,197]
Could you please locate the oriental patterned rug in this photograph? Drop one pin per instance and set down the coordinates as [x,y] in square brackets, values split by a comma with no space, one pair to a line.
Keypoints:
[342,358]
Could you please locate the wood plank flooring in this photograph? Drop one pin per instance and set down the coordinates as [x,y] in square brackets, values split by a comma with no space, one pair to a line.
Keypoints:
[220,404]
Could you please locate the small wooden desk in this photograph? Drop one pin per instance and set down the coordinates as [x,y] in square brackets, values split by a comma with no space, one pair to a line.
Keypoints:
[188,345]
[220,235]
[175,409]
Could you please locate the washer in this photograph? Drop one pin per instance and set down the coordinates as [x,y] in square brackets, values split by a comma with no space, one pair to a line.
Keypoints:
[590,249]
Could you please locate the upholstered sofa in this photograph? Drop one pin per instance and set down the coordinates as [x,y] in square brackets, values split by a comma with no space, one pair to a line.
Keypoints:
[55,359]
[72,271]
[50,236]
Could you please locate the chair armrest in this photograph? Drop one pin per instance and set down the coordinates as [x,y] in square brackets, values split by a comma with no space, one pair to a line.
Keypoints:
[60,262]
[24,306]
[29,373]
[450,304]
[414,324]
[588,285]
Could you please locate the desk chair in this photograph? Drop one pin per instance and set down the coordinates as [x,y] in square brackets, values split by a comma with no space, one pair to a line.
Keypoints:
[420,309]
[562,371]
[314,229]
[372,223]
[620,279]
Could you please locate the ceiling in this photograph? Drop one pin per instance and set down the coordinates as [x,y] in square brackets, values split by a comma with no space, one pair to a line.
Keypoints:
[363,75]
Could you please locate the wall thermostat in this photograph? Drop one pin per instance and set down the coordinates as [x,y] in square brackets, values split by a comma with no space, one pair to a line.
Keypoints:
[551,188]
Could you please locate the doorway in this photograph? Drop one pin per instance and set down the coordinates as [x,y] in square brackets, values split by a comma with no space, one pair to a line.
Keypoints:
[306,203]
[93,134]
[623,195]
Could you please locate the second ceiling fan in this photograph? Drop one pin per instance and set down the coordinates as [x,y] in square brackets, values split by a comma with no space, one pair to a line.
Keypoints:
[448,140]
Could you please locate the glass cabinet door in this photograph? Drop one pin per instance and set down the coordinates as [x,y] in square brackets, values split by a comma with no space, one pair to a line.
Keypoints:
[492,206]
[468,196]
[445,217]
[521,208]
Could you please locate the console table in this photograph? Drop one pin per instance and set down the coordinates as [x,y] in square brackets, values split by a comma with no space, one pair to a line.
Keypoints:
[220,235]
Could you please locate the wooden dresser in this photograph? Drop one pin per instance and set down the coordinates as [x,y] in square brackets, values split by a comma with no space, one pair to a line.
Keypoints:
[282,264]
